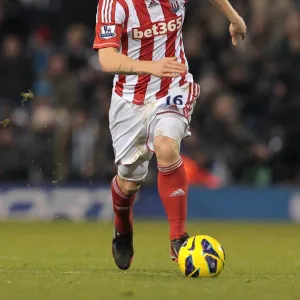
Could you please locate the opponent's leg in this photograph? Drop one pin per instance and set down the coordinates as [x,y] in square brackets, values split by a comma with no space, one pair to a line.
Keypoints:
[172,180]
[123,196]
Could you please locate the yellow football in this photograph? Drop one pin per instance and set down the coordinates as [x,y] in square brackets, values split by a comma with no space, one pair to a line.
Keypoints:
[201,256]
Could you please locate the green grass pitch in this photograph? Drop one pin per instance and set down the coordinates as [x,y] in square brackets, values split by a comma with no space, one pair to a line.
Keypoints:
[73,261]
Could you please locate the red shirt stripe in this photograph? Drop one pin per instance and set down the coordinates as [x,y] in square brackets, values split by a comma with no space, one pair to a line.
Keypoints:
[113,11]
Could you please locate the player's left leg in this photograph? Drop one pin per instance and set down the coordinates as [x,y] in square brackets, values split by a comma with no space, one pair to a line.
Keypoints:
[172,181]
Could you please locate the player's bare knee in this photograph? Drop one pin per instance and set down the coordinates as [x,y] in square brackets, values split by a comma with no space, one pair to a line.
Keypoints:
[166,150]
[129,188]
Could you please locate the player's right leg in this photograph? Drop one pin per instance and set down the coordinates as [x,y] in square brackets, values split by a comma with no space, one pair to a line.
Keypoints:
[128,131]
[124,187]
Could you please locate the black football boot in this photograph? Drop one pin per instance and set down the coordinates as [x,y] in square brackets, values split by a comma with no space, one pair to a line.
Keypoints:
[122,250]
[176,245]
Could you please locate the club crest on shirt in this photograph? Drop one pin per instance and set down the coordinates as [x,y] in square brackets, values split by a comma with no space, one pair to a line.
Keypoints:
[108,31]
[174,6]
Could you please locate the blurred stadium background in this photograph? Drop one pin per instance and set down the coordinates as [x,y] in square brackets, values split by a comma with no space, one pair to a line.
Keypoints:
[246,125]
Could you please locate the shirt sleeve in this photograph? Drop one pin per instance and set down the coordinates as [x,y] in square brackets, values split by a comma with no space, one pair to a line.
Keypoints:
[110,20]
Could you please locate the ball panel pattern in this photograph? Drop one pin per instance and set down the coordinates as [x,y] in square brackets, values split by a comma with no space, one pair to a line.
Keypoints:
[208,248]
[212,264]
[189,265]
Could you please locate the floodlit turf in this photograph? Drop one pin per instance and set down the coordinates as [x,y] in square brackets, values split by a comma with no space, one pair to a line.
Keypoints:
[73,261]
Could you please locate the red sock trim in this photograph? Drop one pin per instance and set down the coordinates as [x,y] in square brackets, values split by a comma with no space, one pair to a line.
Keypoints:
[170,169]
[118,190]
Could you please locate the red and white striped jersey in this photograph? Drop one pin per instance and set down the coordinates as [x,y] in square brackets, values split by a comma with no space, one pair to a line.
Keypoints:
[143,30]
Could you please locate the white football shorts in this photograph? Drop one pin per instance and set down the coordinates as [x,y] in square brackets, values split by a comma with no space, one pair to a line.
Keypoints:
[134,127]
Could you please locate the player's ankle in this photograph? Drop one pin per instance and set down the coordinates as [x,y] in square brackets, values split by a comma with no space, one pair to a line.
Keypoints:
[177,228]
[123,225]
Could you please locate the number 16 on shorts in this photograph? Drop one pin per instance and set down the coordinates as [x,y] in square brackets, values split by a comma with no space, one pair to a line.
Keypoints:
[174,100]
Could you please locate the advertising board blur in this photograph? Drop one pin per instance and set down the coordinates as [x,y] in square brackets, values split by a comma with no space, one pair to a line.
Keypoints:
[94,203]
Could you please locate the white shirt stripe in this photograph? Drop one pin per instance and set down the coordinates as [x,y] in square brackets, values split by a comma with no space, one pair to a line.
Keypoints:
[155,14]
